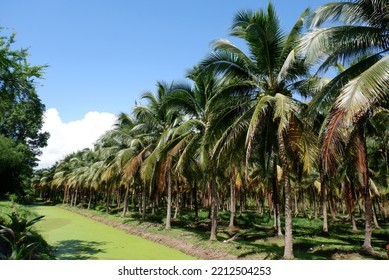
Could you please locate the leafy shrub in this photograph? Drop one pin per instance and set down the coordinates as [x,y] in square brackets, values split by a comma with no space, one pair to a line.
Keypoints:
[19,242]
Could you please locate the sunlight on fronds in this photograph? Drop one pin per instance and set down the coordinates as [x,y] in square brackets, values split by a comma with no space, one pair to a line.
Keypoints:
[373,188]
[279,173]
[291,58]
[332,12]
[225,45]
[284,108]
[368,88]
[317,185]
[314,45]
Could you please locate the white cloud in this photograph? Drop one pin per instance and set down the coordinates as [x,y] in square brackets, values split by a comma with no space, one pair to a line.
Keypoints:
[66,138]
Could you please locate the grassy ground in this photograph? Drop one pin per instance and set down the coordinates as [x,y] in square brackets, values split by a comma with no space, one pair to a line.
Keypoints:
[257,239]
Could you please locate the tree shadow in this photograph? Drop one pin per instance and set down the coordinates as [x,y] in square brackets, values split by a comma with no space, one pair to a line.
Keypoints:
[78,249]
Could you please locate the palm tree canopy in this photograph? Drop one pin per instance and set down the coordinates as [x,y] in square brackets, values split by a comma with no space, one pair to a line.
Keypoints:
[341,34]
[354,29]
[272,65]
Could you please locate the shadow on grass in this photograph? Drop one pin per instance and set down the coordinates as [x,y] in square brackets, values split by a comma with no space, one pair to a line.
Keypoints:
[78,250]
[272,251]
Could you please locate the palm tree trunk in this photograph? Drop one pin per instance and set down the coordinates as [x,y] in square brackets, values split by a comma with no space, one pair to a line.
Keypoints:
[314,204]
[288,249]
[381,208]
[332,207]
[323,192]
[177,202]
[362,167]
[118,196]
[90,198]
[143,203]
[375,216]
[214,213]
[296,210]
[169,202]
[196,207]
[276,198]
[125,202]
[71,197]
[350,202]
[65,195]
[107,199]
[303,203]
[75,197]
[368,224]
[232,203]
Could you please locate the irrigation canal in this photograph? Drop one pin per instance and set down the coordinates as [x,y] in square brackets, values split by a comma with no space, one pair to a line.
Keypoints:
[76,237]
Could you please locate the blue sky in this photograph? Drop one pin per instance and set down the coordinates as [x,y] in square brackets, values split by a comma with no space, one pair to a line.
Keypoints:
[102,55]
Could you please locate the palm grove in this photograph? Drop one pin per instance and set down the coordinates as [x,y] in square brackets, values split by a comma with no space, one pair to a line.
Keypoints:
[240,133]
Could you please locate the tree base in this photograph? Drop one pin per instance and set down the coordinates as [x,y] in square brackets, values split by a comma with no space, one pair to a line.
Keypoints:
[288,257]
[368,250]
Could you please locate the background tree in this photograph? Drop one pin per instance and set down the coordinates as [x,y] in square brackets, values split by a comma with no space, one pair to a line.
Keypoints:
[358,30]
[273,70]
[21,117]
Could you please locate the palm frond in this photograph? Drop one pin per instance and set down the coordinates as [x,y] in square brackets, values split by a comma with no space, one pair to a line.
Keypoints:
[294,35]
[331,12]
[368,88]
[329,93]
[260,109]
[284,108]
[331,148]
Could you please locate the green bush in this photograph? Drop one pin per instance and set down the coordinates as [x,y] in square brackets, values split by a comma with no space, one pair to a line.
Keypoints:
[19,242]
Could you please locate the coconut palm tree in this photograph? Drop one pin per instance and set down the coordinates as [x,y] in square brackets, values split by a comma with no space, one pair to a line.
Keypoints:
[273,71]
[341,32]
[157,122]
[191,140]
[129,152]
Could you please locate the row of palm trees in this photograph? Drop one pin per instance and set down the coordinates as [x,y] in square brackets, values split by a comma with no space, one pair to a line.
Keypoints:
[266,121]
